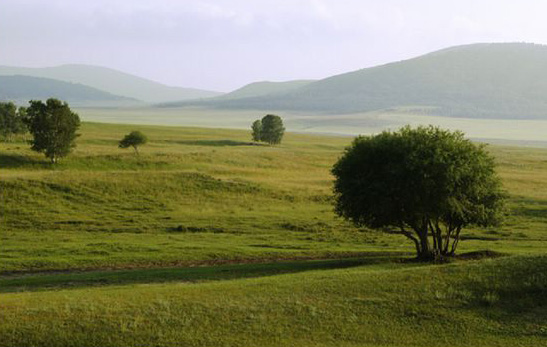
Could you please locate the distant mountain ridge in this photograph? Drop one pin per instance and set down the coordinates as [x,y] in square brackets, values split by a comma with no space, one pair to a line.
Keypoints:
[264,88]
[21,89]
[112,81]
[496,80]
[251,90]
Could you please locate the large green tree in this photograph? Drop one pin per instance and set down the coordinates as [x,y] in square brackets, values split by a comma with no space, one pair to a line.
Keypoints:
[427,184]
[53,126]
[11,120]
[270,129]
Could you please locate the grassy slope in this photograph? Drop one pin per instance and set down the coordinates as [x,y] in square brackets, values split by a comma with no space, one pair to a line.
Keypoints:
[207,196]
[193,195]
[497,302]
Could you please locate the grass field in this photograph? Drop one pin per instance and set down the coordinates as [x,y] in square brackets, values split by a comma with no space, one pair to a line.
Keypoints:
[208,239]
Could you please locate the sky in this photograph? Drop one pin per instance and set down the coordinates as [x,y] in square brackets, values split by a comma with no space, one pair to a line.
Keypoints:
[224,44]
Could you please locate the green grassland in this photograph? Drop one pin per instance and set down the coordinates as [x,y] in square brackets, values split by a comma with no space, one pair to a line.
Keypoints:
[192,196]
[209,239]
[497,302]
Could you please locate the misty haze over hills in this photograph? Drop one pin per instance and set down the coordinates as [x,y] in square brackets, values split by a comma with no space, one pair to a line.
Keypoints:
[21,89]
[263,88]
[497,81]
[500,80]
[112,81]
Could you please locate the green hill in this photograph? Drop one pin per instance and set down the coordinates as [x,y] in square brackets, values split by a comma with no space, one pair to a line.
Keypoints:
[499,80]
[263,88]
[21,89]
[112,81]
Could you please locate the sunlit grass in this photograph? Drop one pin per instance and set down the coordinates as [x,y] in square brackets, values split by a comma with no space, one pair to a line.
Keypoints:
[197,195]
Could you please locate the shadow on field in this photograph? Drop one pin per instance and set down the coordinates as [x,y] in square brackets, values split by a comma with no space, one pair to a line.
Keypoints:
[15,161]
[217,143]
[47,281]
[531,209]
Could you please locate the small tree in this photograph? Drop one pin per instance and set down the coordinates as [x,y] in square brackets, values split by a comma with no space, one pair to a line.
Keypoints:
[257,130]
[53,126]
[11,120]
[426,184]
[272,129]
[133,139]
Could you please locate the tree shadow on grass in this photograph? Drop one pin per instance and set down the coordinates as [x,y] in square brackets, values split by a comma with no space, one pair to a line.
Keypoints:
[530,208]
[217,143]
[77,279]
[16,161]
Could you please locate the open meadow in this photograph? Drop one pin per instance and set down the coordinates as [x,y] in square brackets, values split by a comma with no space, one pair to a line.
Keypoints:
[208,239]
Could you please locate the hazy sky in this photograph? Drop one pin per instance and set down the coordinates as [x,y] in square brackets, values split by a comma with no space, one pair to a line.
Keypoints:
[222,45]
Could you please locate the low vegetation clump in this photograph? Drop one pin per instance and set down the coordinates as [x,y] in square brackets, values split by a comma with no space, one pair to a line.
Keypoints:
[133,139]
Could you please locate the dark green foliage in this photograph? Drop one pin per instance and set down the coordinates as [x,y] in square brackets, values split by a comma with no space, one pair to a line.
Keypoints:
[270,129]
[257,130]
[11,120]
[425,183]
[53,126]
[133,139]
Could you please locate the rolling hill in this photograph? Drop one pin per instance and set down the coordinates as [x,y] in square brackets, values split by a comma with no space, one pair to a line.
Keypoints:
[249,91]
[112,81]
[498,80]
[21,89]
[263,88]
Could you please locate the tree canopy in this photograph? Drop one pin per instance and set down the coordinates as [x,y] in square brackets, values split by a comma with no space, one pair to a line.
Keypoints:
[53,126]
[424,183]
[257,130]
[11,120]
[270,129]
[133,139]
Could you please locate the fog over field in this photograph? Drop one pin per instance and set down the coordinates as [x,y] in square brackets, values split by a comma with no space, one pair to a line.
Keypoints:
[523,132]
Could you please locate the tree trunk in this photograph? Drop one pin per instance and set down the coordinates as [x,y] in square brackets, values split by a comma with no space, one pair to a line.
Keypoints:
[410,236]
[425,252]
[456,240]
